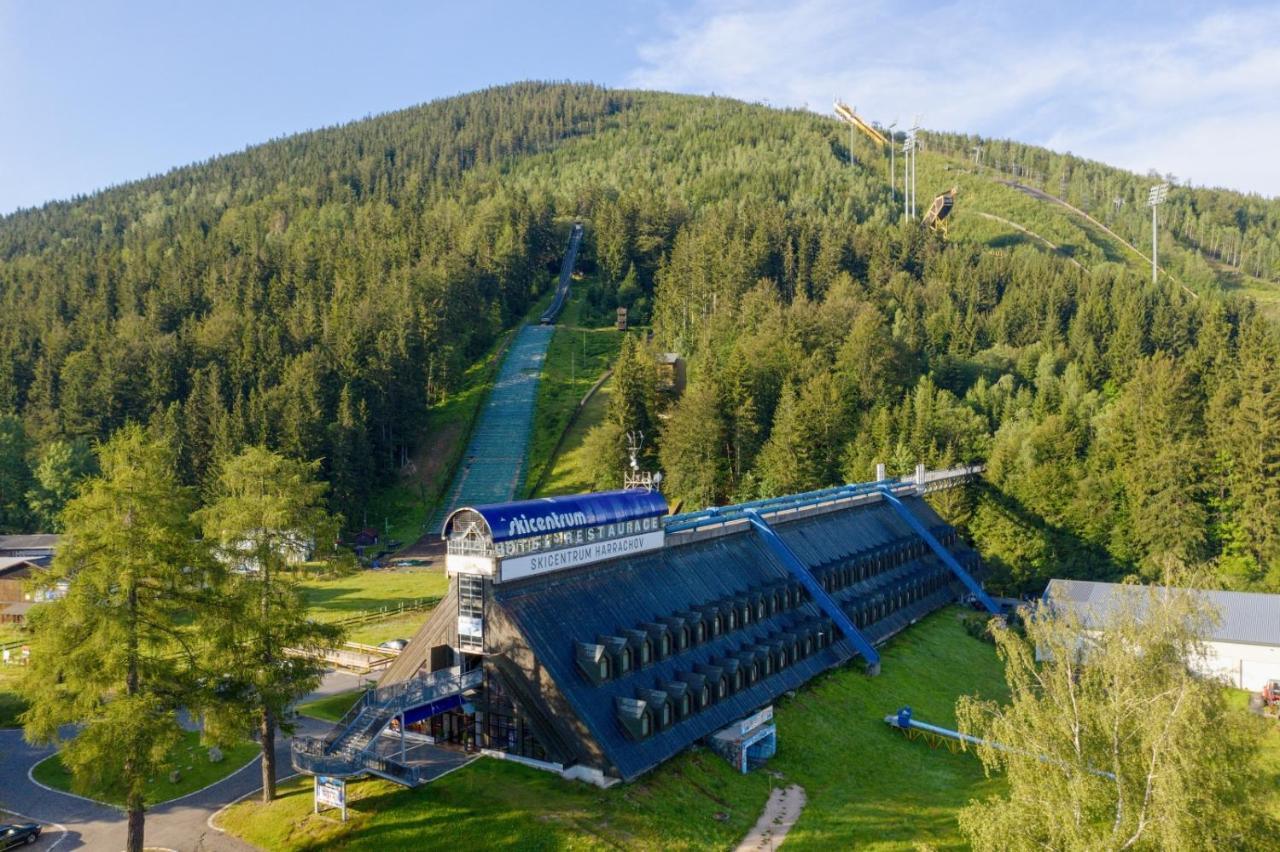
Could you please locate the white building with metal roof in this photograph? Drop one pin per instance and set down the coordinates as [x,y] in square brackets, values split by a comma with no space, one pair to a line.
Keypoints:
[1243,646]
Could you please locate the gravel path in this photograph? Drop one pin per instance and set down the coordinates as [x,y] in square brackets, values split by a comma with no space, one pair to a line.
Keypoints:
[780,814]
[180,824]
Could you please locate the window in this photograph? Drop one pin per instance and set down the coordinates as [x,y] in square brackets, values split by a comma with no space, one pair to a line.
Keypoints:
[646,724]
[624,661]
[666,714]
[604,668]
[755,672]
[778,602]
[684,638]
[768,664]
[737,680]
[646,652]
[715,626]
[782,660]
[733,619]
[760,609]
[686,704]
[722,687]
[746,615]
[665,645]
[808,646]
[706,695]
[700,633]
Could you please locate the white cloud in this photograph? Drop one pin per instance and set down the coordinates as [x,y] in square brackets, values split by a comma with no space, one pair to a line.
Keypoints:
[1197,95]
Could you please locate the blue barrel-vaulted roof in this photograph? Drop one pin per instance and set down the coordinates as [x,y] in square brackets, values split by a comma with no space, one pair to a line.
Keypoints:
[523,518]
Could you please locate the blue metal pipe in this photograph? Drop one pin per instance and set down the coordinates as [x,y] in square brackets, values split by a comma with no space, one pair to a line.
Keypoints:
[825,602]
[940,551]
[903,720]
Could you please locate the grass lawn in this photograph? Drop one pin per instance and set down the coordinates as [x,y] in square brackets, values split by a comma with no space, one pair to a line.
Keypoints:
[395,627]
[189,757]
[11,701]
[334,598]
[868,786]
[576,358]
[571,470]
[1268,765]
[331,708]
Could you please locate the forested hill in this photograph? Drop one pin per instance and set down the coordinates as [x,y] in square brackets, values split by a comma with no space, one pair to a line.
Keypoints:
[311,292]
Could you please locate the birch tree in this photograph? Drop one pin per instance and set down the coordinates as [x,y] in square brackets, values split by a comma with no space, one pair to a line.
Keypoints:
[1109,741]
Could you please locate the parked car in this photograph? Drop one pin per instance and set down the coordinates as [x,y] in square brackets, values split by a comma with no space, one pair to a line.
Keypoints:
[18,835]
[394,644]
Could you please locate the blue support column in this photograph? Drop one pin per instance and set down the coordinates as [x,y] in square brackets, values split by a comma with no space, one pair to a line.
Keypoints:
[941,552]
[825,602]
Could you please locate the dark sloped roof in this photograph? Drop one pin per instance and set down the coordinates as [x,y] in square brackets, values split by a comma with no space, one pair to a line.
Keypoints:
[1248,617]
[36,541]
[555,612]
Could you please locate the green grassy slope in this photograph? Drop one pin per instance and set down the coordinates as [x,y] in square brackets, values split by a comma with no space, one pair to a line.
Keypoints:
[576,359]
[868,786]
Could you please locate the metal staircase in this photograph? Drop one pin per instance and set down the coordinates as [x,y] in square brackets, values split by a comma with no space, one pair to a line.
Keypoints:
[348,748]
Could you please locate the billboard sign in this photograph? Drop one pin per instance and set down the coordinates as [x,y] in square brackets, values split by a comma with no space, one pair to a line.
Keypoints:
[542,562]
[331,793]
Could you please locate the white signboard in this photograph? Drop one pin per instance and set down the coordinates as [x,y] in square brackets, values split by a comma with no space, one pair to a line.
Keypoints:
[515,568]
[331,793]
[752,722]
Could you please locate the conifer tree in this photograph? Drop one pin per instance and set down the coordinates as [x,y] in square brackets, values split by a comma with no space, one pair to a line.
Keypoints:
[266,512]
[693,445]
[111,656]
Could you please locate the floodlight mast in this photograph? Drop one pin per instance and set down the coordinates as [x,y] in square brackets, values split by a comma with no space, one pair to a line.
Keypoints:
[1155,198]
[892,193]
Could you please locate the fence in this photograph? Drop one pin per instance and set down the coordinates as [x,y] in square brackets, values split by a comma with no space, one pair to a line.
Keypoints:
[389,611]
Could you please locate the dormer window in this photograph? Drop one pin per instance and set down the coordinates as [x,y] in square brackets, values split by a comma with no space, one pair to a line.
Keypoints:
[705,696]
[667,714]
[646,724]
[722,687]
[646,652]
[716,624]
[604,668]
[624,661]
[666,645]
[700,633]
[737,680]
[733,619]
[686,705]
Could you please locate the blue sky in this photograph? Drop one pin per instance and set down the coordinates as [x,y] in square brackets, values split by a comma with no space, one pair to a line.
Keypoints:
[93,94]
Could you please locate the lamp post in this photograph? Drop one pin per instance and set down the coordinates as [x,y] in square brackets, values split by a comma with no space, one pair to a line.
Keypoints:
[1155,198]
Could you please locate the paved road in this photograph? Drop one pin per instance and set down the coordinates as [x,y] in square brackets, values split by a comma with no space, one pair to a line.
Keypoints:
[181,824]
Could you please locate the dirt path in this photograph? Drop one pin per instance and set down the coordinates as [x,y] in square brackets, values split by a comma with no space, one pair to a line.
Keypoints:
[780,813]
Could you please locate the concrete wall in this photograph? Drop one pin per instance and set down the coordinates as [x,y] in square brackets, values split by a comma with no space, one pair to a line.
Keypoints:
[1241,665]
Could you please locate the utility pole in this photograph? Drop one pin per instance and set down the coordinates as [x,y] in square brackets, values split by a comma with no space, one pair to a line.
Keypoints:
[906,178]
[915,147]
[892,194]
[1155,198]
